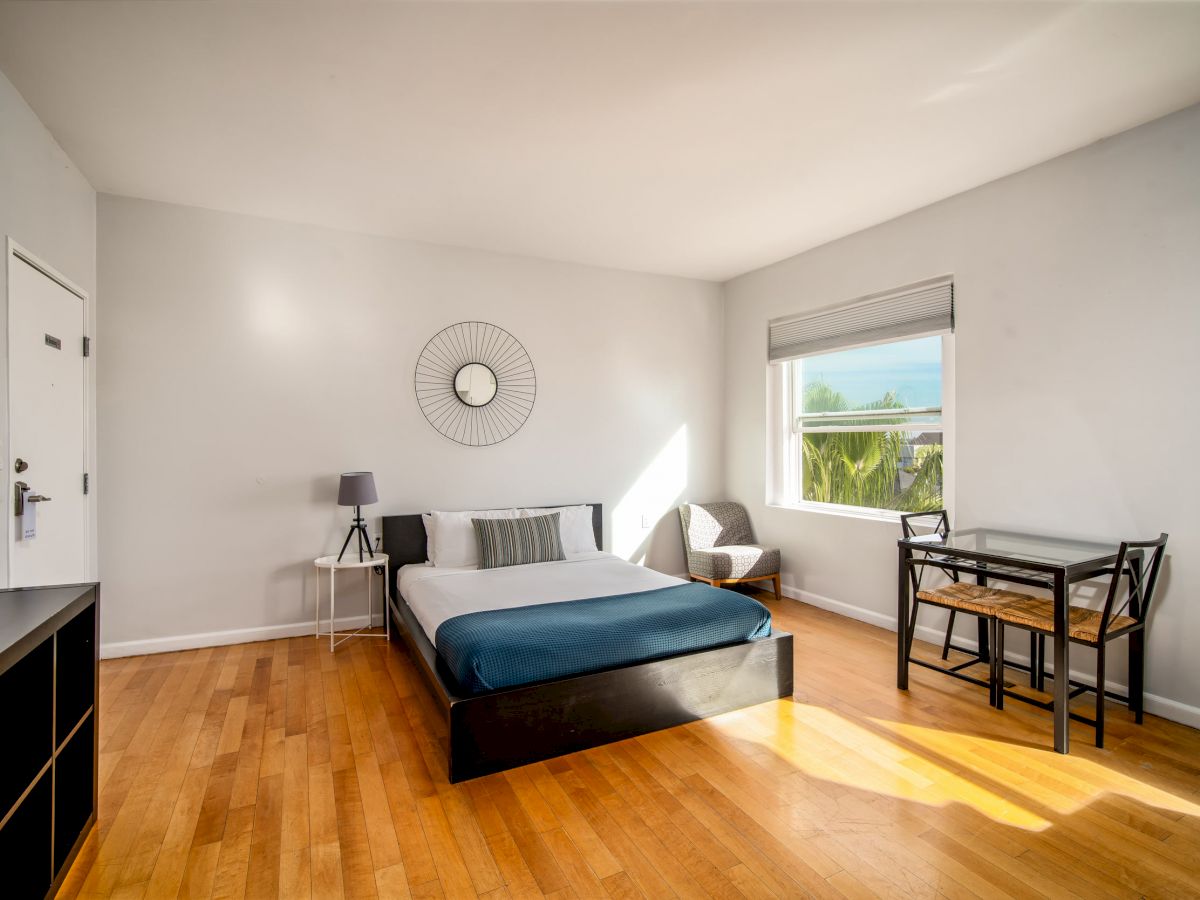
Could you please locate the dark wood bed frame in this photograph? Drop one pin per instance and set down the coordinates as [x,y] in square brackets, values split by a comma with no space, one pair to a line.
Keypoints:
[502,729]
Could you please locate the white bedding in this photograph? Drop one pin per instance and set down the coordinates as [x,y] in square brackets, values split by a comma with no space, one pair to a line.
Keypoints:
[437,594]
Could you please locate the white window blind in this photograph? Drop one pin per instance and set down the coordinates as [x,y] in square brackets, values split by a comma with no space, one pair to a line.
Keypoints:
[923,308]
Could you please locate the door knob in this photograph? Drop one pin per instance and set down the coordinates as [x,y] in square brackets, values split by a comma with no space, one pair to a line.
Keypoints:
[37,498]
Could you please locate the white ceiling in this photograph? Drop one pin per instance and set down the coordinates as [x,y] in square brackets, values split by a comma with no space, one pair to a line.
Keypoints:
[691,139]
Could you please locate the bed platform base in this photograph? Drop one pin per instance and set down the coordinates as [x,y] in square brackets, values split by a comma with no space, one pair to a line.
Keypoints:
[503,729]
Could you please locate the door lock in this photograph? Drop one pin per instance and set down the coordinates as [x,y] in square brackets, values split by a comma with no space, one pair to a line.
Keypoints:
[20,490]
[20,465]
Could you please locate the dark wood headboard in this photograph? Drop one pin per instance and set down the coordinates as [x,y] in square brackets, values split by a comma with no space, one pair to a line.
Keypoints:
[404,538]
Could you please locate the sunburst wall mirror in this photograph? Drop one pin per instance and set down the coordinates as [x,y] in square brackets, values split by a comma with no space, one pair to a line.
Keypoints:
[475,383]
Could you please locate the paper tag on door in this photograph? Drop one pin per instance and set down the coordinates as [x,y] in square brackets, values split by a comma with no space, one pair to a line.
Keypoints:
[28,518]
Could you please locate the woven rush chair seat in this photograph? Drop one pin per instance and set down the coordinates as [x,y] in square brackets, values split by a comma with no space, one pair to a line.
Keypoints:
[972,598]
[1037,613]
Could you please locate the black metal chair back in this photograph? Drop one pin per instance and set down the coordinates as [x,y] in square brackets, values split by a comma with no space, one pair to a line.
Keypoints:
[941,526]
[1141,568]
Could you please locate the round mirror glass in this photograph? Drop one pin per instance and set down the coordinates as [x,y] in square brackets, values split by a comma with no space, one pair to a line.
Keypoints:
[475,384]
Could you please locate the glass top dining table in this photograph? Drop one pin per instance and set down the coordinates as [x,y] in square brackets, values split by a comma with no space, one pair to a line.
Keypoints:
[1053,563]
[1037,552]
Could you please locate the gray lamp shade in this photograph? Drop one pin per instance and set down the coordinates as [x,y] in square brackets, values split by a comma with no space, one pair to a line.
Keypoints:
[357,489]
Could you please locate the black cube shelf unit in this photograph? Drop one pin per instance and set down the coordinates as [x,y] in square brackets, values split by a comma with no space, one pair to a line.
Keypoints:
[48,690]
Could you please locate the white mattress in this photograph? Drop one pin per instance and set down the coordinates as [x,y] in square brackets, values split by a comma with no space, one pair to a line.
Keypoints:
[437,594]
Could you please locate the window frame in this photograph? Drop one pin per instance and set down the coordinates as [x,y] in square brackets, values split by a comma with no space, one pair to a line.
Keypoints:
[785,469]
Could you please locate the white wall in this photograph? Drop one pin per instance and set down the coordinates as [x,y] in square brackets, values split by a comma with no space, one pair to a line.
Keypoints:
[247,362]
[48,207]
[1077,369]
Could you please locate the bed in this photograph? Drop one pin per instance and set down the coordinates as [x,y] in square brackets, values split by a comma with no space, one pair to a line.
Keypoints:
[500,714]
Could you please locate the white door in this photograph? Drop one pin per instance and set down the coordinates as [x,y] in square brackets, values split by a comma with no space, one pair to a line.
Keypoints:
[48,543]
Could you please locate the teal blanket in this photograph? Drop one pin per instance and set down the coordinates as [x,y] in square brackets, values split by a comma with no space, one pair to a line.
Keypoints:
[503,648]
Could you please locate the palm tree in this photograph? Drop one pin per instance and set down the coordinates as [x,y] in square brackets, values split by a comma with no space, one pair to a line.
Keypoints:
[862,468]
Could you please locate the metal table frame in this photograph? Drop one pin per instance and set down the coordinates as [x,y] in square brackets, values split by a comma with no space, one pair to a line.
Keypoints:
[1057,576]
[378,564]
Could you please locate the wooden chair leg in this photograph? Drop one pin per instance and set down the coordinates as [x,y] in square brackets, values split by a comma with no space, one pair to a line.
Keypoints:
[998,662]
[778,586]
[949,635]
[1099,693]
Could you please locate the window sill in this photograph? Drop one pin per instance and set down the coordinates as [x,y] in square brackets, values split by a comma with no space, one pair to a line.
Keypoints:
[887,516]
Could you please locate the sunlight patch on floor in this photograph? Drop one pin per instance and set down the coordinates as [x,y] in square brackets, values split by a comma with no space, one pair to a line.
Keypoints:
[936,767]
[821,743]
[1074,781]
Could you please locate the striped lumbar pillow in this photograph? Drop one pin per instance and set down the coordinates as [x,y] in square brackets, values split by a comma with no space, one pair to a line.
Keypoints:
[516,542]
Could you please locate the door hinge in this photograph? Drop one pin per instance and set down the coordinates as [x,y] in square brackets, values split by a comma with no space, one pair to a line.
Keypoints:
[87,346]
[86,482]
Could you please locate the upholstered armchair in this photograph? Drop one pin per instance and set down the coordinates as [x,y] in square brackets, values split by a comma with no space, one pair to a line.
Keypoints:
[720,548]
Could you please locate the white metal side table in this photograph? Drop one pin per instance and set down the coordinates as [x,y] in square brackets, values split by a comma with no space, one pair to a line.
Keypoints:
[351,562]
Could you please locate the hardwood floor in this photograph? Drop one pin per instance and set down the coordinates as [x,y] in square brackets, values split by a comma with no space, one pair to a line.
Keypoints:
[276,769]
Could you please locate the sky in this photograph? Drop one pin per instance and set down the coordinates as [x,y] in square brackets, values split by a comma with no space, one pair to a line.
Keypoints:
[913,369]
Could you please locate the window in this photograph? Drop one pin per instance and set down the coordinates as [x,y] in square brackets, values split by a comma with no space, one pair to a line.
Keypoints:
[864,429]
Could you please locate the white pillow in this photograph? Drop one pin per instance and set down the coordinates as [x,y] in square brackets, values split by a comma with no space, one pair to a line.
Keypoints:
[574,526]
[430,537]
[454,543]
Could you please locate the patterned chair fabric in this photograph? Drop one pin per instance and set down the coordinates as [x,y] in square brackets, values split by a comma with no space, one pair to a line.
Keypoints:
[720,544]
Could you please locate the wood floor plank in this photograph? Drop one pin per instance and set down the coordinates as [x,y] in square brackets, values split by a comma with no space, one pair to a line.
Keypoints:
[381,832]
[580,877]
[275,769]
[229,881]
[199,873]
[447,859]
[577,828]
[173,854]
[647,823]
[640,870]
[326,871]
[392,882]
[537,856]
[322,805]
[410,835]
[358,869]
[518,880]
[262,874]
[296,818]
[471,844]
[295,874]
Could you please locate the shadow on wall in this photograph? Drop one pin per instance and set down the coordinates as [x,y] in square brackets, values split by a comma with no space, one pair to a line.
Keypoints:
[645,528]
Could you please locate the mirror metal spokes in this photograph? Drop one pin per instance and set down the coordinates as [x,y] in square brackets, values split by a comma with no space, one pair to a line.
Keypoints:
[475,383]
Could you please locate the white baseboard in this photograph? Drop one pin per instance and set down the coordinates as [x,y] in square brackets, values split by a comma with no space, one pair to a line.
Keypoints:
[1159,706]
[221,638]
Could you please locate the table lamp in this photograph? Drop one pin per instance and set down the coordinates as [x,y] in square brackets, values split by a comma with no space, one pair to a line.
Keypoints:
[357,489]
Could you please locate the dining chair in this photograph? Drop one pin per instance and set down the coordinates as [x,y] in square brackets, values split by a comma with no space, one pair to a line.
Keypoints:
[1138,562]
[957,597]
